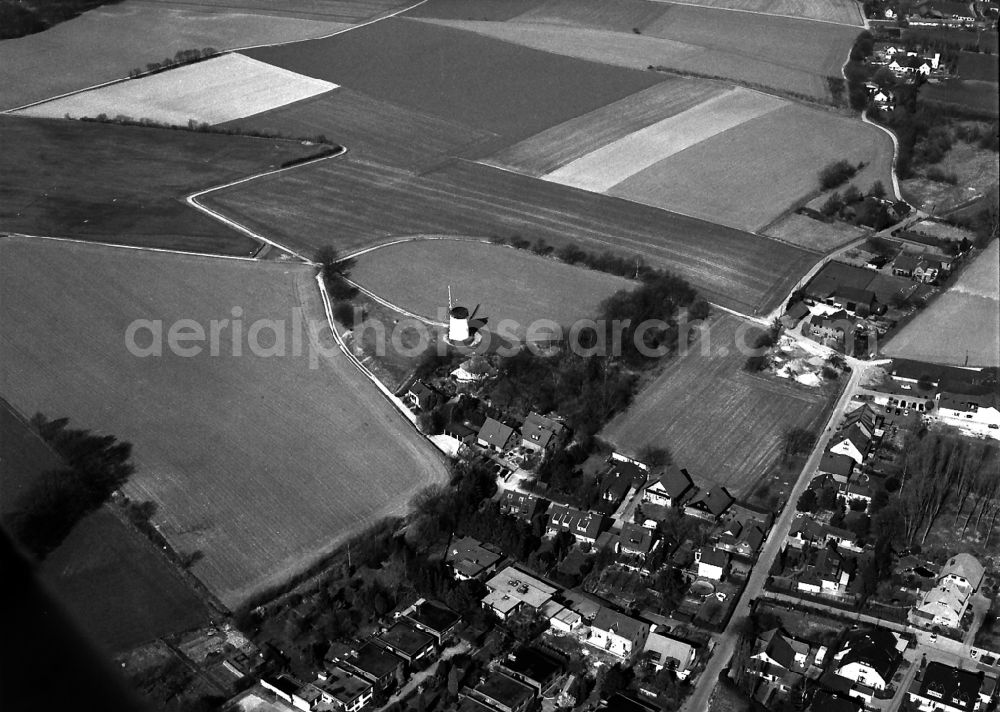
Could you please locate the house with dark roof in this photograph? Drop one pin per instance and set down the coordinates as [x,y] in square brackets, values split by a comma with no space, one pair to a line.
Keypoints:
[852,442]
[711,563]
[834,327]
[532,666]
[284,686]
[636,540]
[523,506]
[421,396]
[470,558]
[617,633]
[341,689]
[868,657]
[584,526]
[778,658]
[433,618]
[806,530]
[540,433]
[824,701]
[709,503]
[831,573]
[670,489]
[503,693]
[950,689]
[837,465]
[796,312]
[742,531]
[496,436]
[615,485]
[374,663]
[406,641]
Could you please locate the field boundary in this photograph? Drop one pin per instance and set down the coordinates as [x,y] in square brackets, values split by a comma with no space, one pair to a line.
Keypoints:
[192,200]
[101,85]
[763,14]
[98,243]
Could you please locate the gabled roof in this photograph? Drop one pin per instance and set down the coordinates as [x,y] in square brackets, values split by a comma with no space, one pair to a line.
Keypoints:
[715,501]
[856,436]
[780,648]
[618,623]
[675,481]
[906,262]
[575,521]
[965,565]
[521,505]
[470,556]
[959,688]
[824,701]
[967,404]
[836,464]
[540,430]
[854,294]
[875,648]
[714,557]
[495,433]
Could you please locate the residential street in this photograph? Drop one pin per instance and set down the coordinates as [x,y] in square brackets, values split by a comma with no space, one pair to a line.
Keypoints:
[726,641]
[418,678]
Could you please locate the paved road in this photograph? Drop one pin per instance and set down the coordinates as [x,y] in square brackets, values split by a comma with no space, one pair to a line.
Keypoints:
[726,641]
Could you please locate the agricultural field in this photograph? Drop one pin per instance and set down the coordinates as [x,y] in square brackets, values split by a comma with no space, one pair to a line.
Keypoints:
[124,184]
[497,283]
[726,426]
[737,179]
[613,167]
[986,42]
[371,128]
[846,12]
[570,140]
[494,10]
[120,589]
[813,234]
[260,462]
[117,38]
[345,11]
[980,97]
[784,54]
[978,67]
[459,76]
[344,202]
[212,91]
[961,327]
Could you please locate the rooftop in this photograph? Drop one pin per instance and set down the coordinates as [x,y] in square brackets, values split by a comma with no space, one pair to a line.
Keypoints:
[675,481]
[533,663]
[374,660]
[662,648]
[470,556]
[342,685]
[505,690]
[618,623]
[959,688]
[405,638]
[435,616]
[875,648]
[520,587]
[966,566]
[494,433]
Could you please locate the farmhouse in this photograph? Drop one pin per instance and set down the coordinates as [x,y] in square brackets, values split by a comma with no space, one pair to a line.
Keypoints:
[946,603]
[949,689]
[511,588]
[665,651]
[916,267]
[617,633]
[670,489]
[523,506]
[469,558]
[869,658]
[829,295]
[834,327]
[496,436]
[709,503]
[539,433]
[584,526]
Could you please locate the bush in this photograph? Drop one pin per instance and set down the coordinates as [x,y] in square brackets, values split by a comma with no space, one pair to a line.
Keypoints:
[343,312]
[852,195]
[832,205]
[835,174]
[940,176]
[877,190]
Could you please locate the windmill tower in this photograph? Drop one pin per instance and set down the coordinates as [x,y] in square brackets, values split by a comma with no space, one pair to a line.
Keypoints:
[458,322]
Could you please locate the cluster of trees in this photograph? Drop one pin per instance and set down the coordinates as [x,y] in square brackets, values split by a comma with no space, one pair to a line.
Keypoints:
[204,127]
[762,341]
[858,71]
[95,466]
[335,271]
[837,173]
[798,442]
[862,209]
[184,56]
[18,19]
[630,267]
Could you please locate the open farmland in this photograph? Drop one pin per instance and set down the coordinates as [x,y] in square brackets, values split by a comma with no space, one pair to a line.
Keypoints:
[726,426]
[344,202]
[498,282]
[619,16]
[978,67]
[813,234]
[557,146]
[979,97]
[495,10]
[213,91]
[260,463]
[120,588]
[960,327]
[486,84]
[748,176]
[346,11]
[123,184]
[107,43]
[845,12]
[788,55]
[371,128]
[614,164]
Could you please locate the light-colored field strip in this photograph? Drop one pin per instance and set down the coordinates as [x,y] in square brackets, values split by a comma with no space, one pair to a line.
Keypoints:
[565,142]
[604,168]
[620,16]
[838,12]
[219,89]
